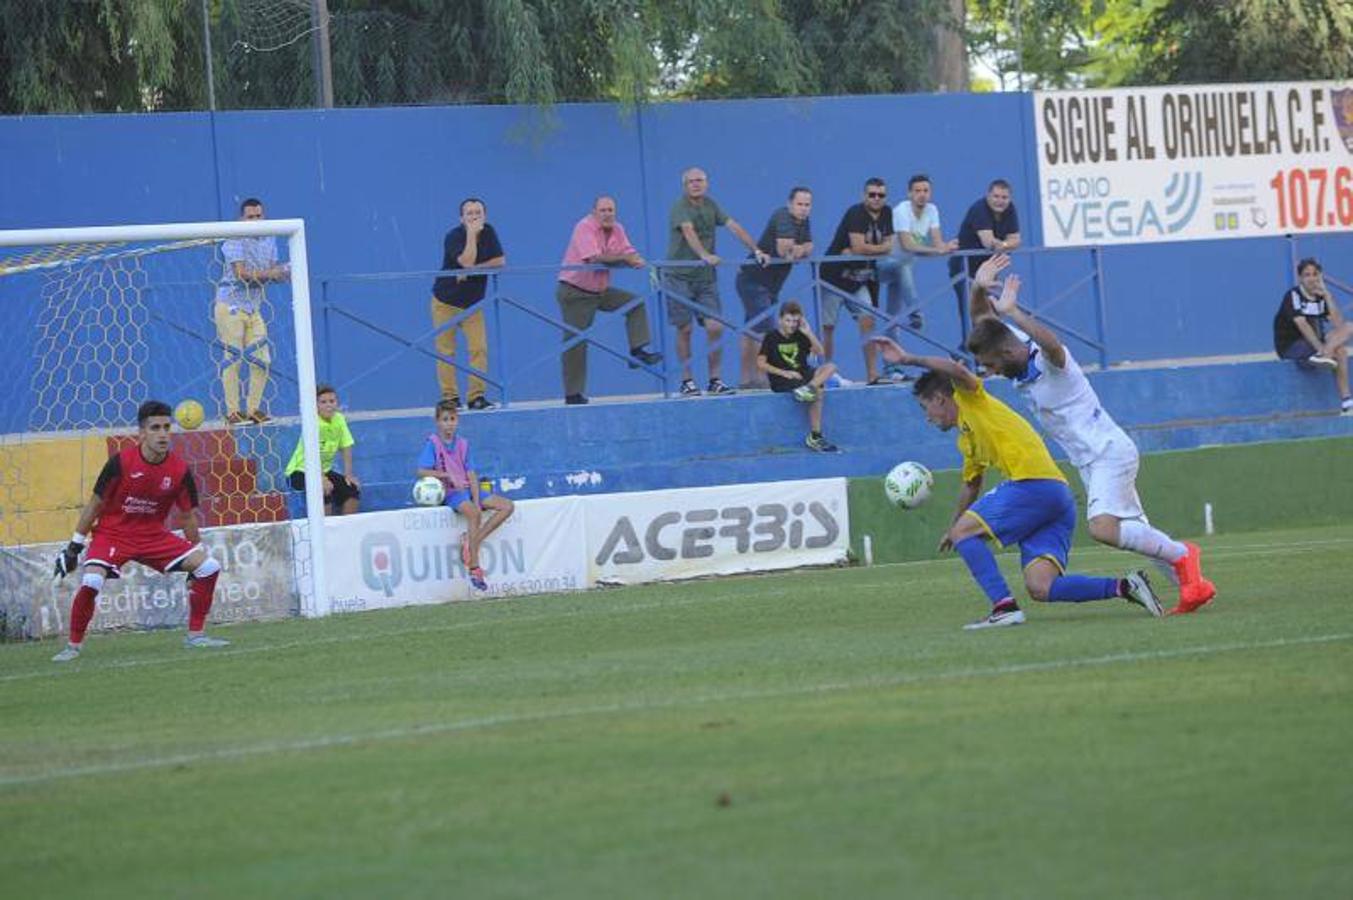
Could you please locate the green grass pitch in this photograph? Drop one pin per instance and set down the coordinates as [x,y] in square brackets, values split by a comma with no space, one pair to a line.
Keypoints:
[807,734]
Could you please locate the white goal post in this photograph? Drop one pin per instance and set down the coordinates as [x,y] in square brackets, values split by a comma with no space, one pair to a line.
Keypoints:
[179,254]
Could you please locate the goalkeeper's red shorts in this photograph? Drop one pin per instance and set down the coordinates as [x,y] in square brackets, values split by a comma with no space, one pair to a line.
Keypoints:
[160,550]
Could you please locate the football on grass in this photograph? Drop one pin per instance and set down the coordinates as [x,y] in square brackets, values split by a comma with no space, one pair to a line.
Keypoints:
[908,485]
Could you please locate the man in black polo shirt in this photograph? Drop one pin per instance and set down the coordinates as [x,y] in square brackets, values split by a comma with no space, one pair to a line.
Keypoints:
[471,244]
[991,224]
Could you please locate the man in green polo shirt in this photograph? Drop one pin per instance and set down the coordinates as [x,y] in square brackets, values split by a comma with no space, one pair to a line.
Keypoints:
[342,490]
[692,222]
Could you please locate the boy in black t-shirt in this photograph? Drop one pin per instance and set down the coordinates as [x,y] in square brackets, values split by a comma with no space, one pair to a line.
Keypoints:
[784,359]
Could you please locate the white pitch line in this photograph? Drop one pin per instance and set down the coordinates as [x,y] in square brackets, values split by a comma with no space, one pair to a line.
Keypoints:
[476,723]
[1222,552]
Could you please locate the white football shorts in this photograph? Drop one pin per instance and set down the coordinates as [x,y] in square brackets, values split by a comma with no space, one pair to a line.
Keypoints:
[1111,484]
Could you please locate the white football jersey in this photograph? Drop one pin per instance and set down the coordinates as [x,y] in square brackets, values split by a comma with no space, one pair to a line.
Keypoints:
[1068,408]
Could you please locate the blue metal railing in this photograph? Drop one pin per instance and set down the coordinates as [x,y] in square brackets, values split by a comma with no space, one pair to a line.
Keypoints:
[423,343]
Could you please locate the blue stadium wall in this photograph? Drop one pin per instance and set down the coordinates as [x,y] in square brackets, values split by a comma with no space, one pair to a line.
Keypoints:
[379,187]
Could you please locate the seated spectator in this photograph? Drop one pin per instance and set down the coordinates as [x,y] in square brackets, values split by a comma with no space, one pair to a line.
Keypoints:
[342,490]
[471,244]
[784,359]
[1310,330]
[598,238]
[446,456]
[787,236]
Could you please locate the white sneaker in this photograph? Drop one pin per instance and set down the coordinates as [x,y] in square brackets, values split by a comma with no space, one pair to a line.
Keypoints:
[998,619]
[1139,592]
[838,381]
[805,394]
[1320,359]
[202,640]
[1346,406]
[71,652]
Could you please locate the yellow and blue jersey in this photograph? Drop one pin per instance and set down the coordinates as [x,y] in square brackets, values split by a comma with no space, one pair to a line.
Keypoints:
[992,434]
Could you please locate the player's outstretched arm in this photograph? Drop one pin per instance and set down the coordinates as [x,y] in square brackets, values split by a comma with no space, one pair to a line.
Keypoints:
[892,352]
[1007,305]
[984,285]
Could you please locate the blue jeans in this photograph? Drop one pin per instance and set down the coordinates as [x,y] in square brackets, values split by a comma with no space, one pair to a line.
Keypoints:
[896,274]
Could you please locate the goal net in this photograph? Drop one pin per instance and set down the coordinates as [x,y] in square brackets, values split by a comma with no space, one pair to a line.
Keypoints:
[96,321]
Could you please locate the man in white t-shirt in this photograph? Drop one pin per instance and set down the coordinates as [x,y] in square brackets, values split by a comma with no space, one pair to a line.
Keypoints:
[916,222]
[1045,373]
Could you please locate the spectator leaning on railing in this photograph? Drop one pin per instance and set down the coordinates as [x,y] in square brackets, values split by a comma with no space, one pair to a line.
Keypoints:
[917,221]
[866,229]
[473,243]
[992,224]
[692,222]
[598,238]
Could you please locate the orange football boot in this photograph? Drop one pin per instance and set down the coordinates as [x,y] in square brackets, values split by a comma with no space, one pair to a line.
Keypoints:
[1194,589]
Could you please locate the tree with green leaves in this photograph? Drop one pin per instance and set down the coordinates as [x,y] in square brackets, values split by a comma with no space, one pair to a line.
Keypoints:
[1177,42]
[100,56]
[1105,43]
[121,55]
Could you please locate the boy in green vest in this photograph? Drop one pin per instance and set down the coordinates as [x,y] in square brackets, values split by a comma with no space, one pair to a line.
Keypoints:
[342,490]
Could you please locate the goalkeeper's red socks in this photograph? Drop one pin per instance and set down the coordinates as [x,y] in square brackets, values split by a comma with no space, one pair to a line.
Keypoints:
[200,593]
[81,613]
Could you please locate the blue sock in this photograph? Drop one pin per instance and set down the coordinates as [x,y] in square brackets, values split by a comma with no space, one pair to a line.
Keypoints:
[982,564]
[1080,588]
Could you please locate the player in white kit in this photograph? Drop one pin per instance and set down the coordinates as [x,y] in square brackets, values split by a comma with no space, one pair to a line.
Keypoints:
[1045,373]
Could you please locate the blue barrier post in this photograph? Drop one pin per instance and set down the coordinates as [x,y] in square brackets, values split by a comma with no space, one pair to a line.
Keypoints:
[328,333]
[505,386]
[1101,307]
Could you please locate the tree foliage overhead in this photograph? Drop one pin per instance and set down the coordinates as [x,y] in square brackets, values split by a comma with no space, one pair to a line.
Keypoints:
[1104,43]
[106,55]
[1240,40]
[125,55]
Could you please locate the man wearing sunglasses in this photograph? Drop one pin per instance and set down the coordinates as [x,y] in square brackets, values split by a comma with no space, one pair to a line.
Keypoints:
[865,230]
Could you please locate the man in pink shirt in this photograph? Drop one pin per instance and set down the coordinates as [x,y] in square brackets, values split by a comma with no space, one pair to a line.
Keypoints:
[598,239]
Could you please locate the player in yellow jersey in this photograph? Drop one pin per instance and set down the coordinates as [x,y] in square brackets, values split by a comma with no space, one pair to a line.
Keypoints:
[1033,508]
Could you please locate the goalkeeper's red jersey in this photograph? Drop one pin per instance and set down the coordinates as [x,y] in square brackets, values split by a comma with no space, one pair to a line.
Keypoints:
[138,495]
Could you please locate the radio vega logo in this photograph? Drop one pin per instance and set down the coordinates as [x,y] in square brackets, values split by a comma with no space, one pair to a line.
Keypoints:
[743,529]
[1086,208]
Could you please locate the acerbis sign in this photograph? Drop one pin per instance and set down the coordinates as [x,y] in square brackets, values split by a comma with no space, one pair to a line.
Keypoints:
[662,535]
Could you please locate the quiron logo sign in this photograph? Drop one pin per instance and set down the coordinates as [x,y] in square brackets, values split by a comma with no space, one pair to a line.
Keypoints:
[389,560]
